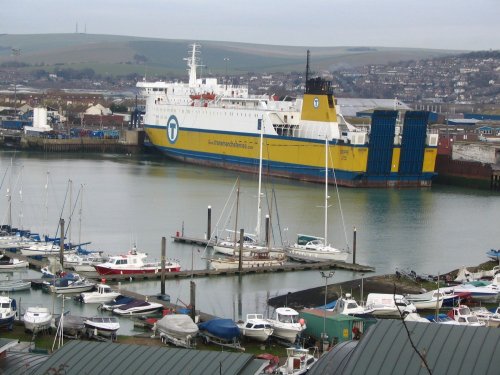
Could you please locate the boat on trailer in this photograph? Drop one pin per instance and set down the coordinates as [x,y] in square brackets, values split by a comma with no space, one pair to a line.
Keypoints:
[106,326]
[177,329]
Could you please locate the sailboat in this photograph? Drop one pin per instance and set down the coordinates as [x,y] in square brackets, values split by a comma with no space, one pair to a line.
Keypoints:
[312,248]
[254,254]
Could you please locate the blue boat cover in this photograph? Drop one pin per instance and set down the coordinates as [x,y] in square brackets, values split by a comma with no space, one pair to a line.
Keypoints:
[223,328]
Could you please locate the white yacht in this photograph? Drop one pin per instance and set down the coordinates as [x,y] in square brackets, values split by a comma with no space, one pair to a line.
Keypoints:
[255,327]
[37,319]
[286,324]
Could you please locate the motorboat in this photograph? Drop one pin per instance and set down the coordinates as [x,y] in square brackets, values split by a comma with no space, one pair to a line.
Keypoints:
[463,315]
[286,324]
[102,294]
[14,285]
[37,319]
[222,332]
[138,308]
[481,293]
[12,263]
[426,301]
[389,305]
[106,326]
[484,315]
[298,361]
[119,301]
[83,263]
[442,319]
[71,325]
[177,329]
[348,306]
[8,312]
[255,327]
[133,263]
[66,286]
[231,247]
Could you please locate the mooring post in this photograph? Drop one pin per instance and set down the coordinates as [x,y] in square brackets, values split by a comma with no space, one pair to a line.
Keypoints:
[354,247]
[61,244]
[163,253]
[192,299]
[268,222]
[240,263]
[209,223]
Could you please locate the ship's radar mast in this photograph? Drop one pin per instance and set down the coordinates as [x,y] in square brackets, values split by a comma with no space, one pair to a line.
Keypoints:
[192,63]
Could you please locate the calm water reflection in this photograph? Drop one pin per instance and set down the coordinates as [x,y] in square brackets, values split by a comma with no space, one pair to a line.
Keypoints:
[129,200]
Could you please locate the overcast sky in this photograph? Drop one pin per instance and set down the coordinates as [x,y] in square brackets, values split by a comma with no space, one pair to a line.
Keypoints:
[442,24]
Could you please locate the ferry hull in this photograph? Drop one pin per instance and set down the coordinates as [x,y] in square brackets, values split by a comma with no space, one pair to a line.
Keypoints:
[354,157]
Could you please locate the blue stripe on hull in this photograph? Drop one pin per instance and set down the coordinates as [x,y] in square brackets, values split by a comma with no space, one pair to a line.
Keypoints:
[297,172]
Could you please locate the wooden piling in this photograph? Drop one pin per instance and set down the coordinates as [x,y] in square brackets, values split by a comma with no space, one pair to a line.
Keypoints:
[209,223]
[240,262]
[163,254]
[192,299]
[354,247]
[268,222]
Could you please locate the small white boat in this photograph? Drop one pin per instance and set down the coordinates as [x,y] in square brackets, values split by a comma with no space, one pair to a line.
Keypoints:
[256,327]
[286,324]
[116,302]
[426,301]
[486,316]
[103,294]
[37,319]
[311,249]
[463,315]
[72,325]
[415,317]
[8,311]
[67,286]
[14,285]
[12,263]
[298,361]
[348,306]
[389,305]
[138,308]
[106,326]
[177,329]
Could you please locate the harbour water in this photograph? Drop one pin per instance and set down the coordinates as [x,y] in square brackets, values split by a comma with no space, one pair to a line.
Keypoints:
[131,200]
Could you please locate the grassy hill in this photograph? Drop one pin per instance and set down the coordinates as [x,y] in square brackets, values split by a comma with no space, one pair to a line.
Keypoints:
[114,54]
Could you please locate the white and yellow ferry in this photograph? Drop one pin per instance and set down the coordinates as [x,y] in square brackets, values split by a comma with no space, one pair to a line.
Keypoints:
[220,125]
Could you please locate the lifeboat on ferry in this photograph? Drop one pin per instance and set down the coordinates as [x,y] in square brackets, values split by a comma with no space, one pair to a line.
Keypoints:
[204,96]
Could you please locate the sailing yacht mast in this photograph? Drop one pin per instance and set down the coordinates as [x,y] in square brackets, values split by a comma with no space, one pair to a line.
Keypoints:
[326,191]
[259,196]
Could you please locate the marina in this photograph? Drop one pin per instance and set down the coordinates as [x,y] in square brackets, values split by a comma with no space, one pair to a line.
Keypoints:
[395,228]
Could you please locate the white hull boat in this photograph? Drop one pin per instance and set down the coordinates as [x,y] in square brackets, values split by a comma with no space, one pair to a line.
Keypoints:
[75,287]
[37,319]
[178,329]
[138,308]
[298,361]
[286,324]
[426,301]
[389,305]
[14,285]
[72,325]
[256,327]
[257,260]
[484,315]
[106,326]
[103,294]
[13,263]
[8,312]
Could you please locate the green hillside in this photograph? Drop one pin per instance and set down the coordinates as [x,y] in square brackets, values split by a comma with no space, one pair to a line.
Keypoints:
[114,54]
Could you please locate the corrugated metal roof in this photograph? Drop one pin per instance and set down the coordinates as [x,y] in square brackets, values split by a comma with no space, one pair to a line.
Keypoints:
[16,363]
[386,349]
[121,359]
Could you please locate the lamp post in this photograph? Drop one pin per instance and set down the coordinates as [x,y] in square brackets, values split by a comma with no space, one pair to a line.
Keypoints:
[324,336]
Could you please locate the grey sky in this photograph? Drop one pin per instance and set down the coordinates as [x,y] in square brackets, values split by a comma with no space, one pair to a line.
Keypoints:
[442,24]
